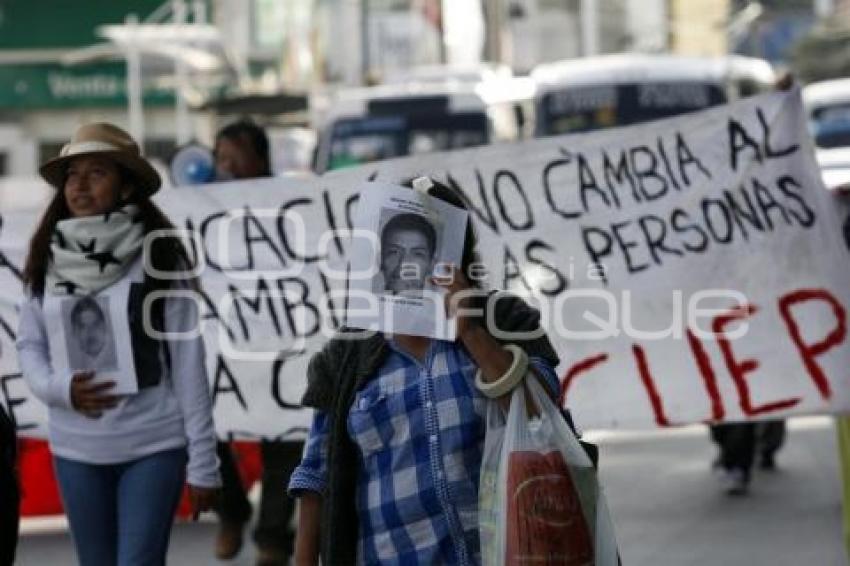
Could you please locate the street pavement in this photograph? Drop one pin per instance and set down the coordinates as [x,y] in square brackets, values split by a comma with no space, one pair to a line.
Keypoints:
[668,507]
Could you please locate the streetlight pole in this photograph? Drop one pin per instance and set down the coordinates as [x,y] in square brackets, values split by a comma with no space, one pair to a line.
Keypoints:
[181,108]
[589,28]
[135,110]
[441,29]
[364,42]
[493,30]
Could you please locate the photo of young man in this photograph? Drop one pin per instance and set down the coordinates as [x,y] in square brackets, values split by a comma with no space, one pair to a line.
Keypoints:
[90,342]
[408,249]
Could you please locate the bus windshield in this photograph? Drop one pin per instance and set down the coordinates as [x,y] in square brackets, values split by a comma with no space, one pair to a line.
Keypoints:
[361,140]
[831,125]
[585,108]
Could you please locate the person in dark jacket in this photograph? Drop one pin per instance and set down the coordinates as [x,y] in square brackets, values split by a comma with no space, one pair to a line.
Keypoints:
[242,152]
[9,494]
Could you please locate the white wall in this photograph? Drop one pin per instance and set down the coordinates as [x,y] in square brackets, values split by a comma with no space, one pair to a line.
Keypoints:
[343,49]
[21,149]
[542,35]
[647,25]
[59,125]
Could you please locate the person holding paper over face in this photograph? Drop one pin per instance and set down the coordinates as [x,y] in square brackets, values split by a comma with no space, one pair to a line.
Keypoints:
[391,468]
[129,409]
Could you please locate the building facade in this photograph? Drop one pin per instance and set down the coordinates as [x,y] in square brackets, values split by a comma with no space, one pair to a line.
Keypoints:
[43,99]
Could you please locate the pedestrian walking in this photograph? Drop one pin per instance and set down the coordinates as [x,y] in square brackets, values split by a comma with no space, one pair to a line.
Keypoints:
[120,459]
[392,465]
[242,152]
[770,438]
[736,443]
[9,494]
[740,445]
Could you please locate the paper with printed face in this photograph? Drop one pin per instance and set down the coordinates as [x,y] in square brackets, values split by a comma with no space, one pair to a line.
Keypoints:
[401,238]
[90,333]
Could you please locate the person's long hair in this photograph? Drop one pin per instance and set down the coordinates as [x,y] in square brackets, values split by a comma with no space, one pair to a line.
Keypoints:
[167,254]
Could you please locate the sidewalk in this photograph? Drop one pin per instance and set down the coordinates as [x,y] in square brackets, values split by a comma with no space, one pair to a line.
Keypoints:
[668,508]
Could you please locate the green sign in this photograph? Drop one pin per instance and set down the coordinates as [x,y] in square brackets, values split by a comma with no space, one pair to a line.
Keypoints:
[57,86]
[25,24]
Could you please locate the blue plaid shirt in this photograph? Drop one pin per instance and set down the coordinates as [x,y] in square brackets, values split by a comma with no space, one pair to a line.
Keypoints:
[420,431]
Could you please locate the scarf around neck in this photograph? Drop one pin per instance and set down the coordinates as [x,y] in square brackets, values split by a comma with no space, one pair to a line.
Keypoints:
[90,253]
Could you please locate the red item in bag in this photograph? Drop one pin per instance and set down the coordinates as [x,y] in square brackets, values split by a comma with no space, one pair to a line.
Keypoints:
[545,520]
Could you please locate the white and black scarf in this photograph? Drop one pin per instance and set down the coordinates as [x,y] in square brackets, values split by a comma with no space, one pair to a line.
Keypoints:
[91,253]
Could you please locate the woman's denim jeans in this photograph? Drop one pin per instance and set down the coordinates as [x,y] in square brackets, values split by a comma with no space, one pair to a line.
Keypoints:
[121,514]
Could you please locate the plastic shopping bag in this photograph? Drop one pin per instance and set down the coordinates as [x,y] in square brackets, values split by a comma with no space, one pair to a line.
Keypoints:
[540,501]
[490,501]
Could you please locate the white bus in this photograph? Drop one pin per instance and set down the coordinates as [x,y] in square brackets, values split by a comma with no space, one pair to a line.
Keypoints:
[828,107]
[828,110]
[419,115]
[617,90]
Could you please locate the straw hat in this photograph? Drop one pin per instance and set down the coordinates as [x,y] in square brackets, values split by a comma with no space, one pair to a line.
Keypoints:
[110,141]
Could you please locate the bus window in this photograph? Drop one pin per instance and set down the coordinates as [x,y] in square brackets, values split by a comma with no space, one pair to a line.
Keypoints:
[442,113]
[582,109]
[355,141]
[591,93]
[831,125]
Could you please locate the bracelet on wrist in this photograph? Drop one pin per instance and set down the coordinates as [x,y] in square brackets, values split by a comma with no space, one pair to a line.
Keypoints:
[510,379]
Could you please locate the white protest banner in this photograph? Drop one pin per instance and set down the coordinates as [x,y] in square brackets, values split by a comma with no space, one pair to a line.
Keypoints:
[267,254]
[687,270]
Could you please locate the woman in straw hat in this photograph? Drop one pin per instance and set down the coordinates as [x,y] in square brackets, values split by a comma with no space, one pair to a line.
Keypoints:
[120,459]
